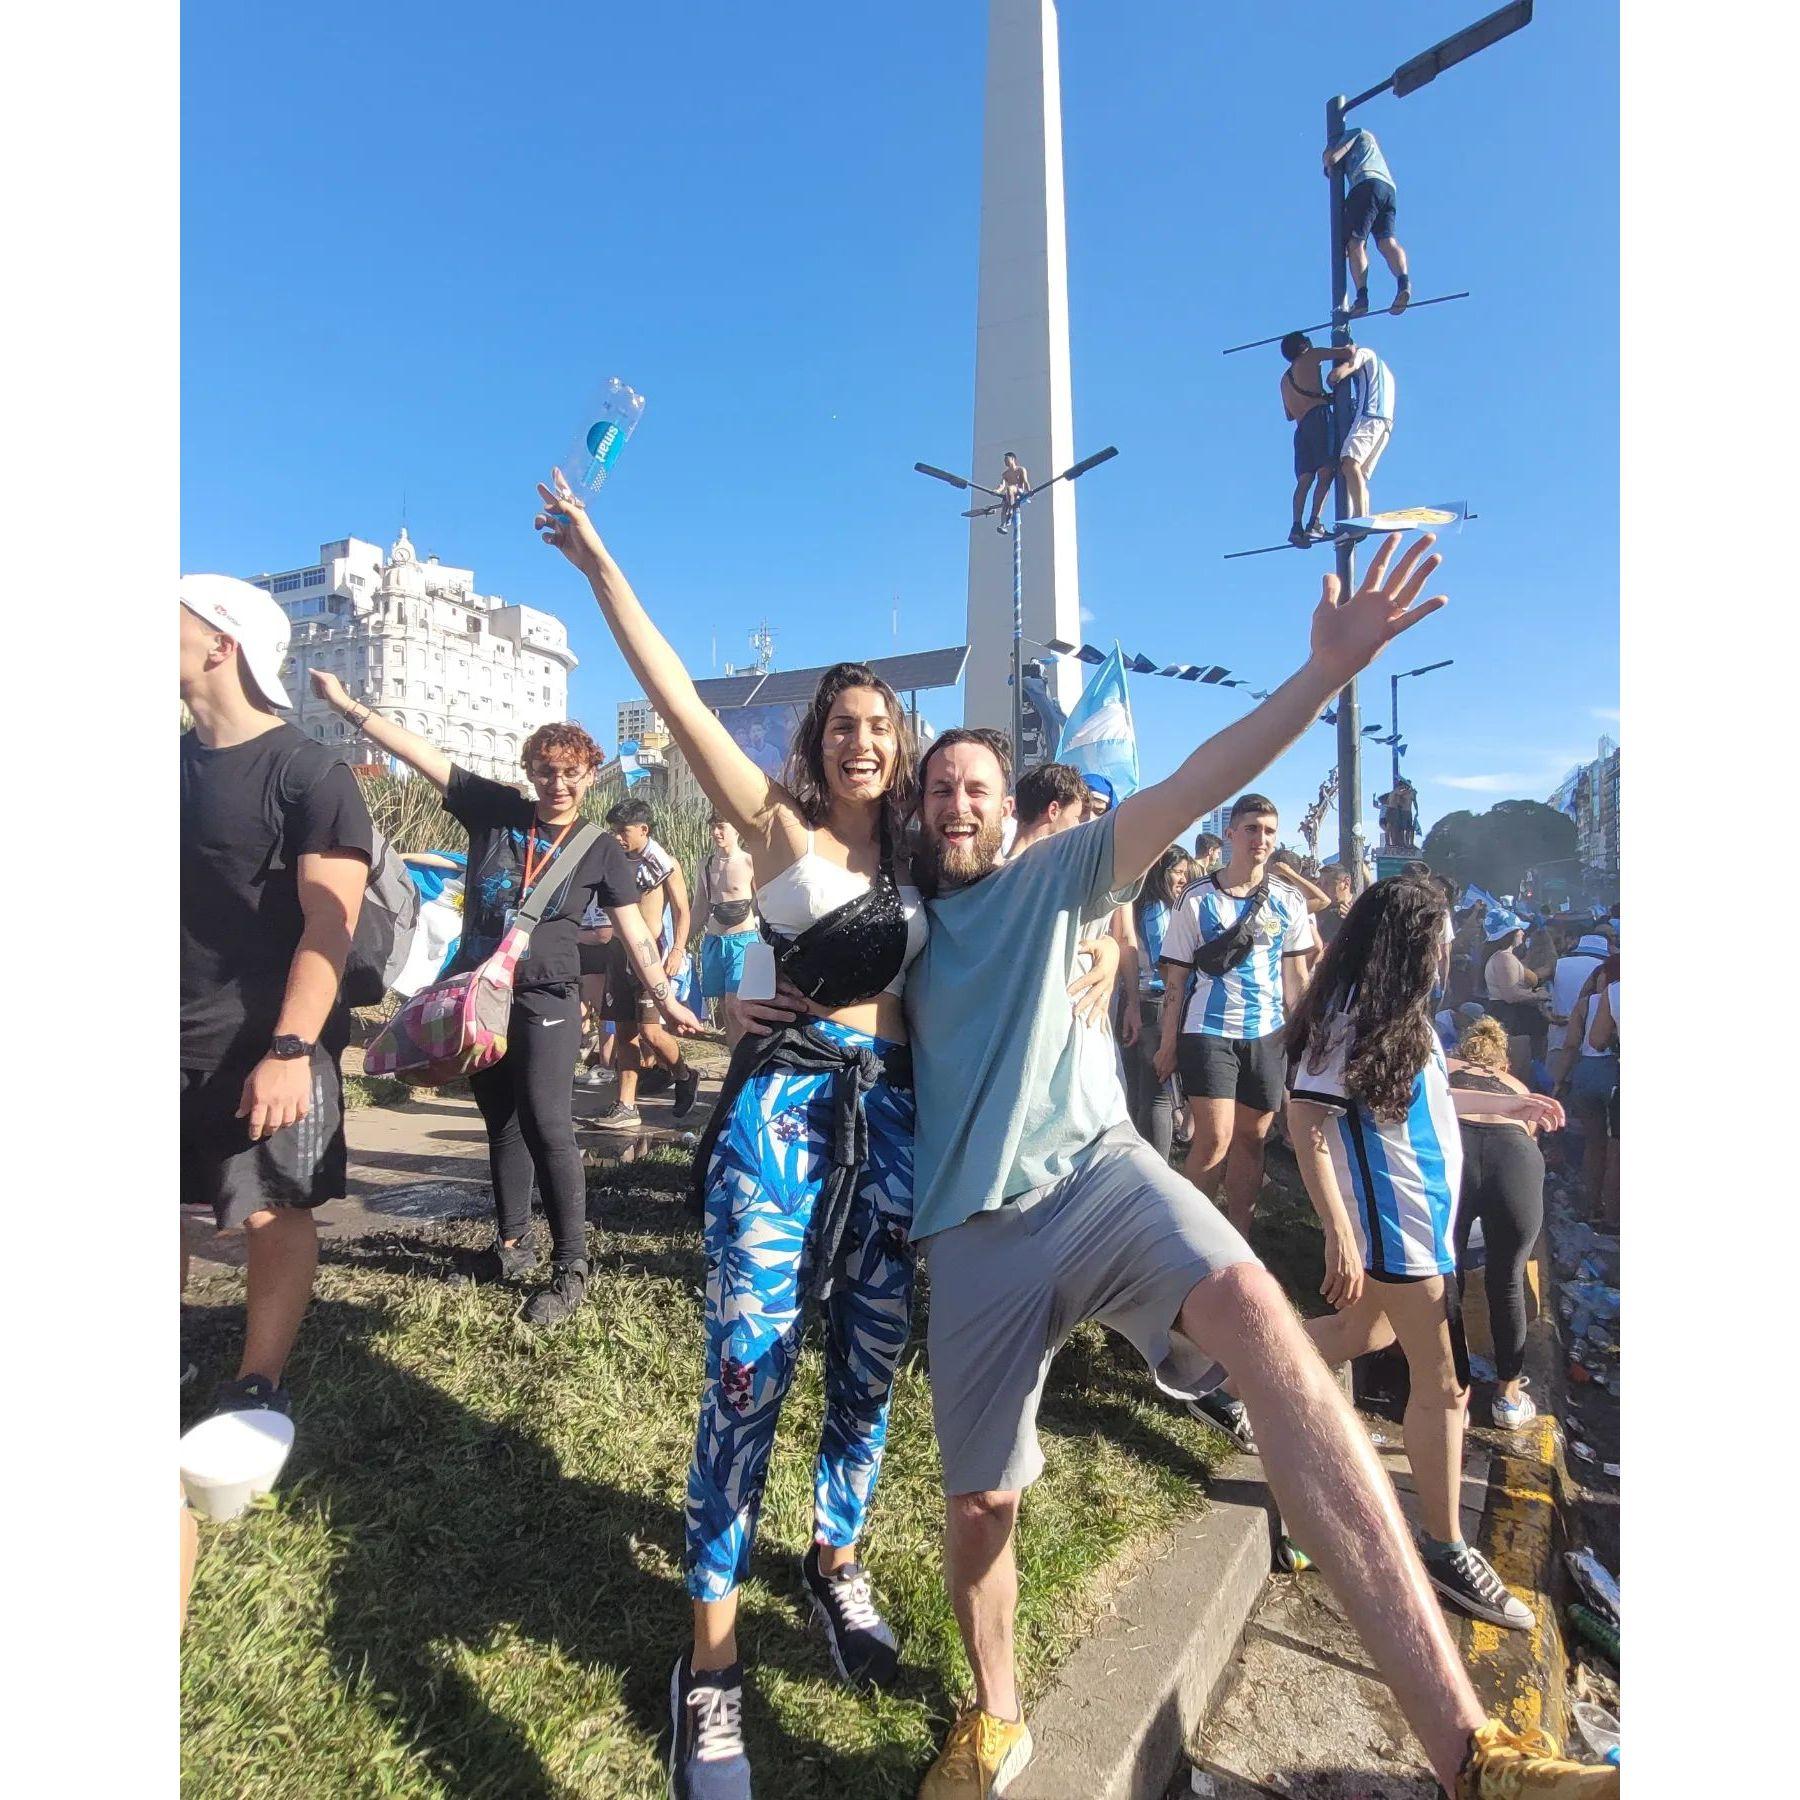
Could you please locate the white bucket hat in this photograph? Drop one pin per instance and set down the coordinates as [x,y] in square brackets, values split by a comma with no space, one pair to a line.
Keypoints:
[252,618]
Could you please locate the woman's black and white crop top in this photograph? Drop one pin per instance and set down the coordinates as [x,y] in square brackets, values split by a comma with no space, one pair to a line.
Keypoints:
[839,937]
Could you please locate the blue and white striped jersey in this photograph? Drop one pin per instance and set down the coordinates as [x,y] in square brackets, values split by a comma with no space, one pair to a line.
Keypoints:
[1244,1002]
[1399,1177]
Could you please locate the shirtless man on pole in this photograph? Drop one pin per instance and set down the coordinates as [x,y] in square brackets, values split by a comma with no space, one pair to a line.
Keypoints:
[1305,399]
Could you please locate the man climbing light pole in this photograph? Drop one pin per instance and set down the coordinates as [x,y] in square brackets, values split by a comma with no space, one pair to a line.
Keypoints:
[1407,79]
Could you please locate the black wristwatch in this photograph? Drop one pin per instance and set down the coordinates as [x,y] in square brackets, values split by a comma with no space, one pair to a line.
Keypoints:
[288,1048]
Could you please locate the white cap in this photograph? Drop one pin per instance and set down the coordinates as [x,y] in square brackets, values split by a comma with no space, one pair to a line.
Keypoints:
[1594,945]
[250,616]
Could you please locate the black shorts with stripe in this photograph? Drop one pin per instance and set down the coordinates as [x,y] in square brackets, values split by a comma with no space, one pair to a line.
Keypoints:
[301,1165]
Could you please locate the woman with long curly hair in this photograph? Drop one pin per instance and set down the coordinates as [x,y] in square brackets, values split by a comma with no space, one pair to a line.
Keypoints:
[803,1200]
[1374,1124]
[805,1173]
[1503,1189]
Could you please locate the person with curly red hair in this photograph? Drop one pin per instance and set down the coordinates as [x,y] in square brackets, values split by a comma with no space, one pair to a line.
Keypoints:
[526,1097]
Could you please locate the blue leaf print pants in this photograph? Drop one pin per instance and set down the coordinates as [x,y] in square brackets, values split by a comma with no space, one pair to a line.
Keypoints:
[767,1171]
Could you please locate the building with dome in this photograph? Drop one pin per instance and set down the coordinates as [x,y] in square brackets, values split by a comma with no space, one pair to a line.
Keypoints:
[415,641]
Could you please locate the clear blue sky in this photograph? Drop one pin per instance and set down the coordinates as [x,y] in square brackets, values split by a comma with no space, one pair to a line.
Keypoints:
[414,236]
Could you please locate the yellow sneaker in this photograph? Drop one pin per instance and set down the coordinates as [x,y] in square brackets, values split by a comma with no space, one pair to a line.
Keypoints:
[980,1756]
[1509,1765]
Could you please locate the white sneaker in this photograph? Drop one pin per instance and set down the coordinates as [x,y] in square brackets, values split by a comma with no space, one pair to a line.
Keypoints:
[597,1078]
[1509,1415]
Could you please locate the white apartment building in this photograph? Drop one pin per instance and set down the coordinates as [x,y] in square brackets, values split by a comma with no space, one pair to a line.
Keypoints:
[415,641]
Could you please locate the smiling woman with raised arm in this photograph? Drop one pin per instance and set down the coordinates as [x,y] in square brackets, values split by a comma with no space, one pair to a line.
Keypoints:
[525,1098]
[792,1211]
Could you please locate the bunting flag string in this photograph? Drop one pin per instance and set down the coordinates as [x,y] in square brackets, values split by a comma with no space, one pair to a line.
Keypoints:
[1207,674]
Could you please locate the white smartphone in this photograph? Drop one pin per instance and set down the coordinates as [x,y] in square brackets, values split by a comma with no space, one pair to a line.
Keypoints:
[758,981]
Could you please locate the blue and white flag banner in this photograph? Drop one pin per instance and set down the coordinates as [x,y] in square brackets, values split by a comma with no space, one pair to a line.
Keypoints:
[1099,737]
[629,766]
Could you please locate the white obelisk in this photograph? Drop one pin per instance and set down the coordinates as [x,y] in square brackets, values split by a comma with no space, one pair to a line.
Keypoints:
[1022,397]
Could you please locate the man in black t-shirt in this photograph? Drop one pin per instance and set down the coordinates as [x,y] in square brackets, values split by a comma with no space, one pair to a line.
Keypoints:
[275,849]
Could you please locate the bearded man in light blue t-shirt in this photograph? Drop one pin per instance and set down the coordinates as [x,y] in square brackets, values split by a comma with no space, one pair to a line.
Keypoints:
[1040,1207]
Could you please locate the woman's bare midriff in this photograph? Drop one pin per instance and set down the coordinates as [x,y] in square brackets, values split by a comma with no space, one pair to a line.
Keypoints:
[882,1017]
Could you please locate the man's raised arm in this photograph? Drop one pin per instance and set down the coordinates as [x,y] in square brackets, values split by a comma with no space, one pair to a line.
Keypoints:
[1346,637]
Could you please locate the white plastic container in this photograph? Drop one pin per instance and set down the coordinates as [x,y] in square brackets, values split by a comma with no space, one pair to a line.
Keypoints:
[231,1458]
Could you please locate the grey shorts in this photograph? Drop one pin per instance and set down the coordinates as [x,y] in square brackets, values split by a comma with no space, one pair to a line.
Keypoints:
[1122,1240]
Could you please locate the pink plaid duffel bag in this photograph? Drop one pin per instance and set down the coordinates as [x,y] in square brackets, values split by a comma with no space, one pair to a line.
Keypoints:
[458,1026]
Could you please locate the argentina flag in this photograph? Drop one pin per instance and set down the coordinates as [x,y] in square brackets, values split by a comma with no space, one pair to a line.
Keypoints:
[1099,738]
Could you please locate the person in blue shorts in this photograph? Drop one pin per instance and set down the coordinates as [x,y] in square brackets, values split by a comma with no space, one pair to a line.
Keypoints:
[1374,1123]
[1369,206]
[1306,401]
[726,908]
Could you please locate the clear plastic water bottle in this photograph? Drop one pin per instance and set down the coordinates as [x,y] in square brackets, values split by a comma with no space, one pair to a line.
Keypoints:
[610,422]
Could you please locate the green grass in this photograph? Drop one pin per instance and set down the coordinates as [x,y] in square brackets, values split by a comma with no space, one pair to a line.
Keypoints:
[468,1583]
[373,1090]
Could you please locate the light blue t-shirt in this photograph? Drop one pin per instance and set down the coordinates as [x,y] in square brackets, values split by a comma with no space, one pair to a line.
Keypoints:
[1012,1091]
[1364,161]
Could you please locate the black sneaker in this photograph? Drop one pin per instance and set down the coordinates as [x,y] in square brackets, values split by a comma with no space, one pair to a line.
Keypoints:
[861,1643]
[566,1292]
[1225,1414]
[1466,1578]
[706,1734]
[513,1262]
[1298,538]
[655,1081]
[617,1118]
[687,1088]
[252,1393]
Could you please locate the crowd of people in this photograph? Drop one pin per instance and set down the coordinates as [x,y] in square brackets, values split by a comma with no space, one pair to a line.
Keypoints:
[1002,1001]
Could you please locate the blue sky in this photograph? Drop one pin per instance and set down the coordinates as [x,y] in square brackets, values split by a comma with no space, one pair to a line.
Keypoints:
[414,237]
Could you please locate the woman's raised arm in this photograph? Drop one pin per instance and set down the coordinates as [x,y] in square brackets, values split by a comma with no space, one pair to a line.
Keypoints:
[734,784]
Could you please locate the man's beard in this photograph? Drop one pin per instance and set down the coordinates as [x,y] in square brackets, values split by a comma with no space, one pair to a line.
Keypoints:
[941,864]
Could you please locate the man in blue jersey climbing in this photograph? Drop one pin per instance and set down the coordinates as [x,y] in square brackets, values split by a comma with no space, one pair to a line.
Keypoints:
[1363,399]
[1369,205]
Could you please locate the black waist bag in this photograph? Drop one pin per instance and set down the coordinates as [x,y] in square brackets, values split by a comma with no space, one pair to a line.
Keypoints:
[1236,942]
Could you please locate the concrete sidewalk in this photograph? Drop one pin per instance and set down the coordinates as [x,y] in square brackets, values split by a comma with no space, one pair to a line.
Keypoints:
[1256,1680]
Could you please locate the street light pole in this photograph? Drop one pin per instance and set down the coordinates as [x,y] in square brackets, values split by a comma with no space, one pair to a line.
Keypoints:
[1018,655]
[1010,504]
[1349,720]
[1407,79]
[1394,724]
[1394,682]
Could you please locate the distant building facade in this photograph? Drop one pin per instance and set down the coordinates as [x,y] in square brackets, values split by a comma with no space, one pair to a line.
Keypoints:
[641,723]
[415,641]
[1589,795]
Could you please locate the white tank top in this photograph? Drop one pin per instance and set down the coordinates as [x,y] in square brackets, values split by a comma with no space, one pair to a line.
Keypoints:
[806,890]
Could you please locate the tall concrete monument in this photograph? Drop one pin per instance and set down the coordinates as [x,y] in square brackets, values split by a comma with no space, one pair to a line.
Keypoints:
[1022,394]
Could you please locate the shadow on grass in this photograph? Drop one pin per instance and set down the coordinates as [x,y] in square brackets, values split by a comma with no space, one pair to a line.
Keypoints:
[456,1530]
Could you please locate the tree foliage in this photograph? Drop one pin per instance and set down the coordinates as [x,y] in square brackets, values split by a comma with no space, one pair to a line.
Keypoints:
[1494,849]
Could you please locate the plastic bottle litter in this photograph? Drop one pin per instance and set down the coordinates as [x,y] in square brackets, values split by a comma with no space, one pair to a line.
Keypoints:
[1589,1625]
[611,420]
[1598,1728]
[1595,1581]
